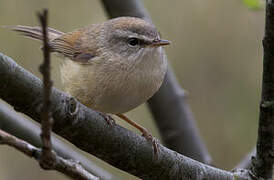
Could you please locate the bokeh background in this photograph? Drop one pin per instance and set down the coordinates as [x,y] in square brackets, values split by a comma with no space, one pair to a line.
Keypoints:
[216,53]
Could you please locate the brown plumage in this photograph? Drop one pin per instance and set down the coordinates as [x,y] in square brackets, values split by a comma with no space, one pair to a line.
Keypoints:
[111,67]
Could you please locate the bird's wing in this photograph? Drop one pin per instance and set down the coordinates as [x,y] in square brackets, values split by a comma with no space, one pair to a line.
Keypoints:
[74,46]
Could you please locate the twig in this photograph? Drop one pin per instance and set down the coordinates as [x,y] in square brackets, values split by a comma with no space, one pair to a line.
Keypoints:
[262,164]
[47,84]
[17,125]
[87,130]
[68,167]
[48,159]
[176,123]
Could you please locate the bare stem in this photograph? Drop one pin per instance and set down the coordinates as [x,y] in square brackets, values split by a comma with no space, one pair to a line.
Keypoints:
[47,84]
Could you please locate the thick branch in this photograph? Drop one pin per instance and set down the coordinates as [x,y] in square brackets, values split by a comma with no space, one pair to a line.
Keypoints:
[262,165]
[168,106]
[15,124]
[87,130]
[68,167]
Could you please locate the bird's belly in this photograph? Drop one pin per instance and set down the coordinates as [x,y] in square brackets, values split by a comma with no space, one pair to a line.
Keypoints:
[117,103]
[123,94]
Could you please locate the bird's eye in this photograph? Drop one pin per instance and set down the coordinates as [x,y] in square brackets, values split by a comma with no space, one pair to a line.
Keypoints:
[133,41]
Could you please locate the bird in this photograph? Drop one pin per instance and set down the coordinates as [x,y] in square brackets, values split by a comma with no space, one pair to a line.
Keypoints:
[111,67]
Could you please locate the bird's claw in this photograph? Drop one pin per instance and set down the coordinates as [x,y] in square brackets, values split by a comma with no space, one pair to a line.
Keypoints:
[151,139]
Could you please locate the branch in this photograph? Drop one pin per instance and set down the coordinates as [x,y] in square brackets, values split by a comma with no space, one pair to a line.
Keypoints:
[47,156]
[71,168]
[262,165]
[87,130]
[169,107]
[12,123]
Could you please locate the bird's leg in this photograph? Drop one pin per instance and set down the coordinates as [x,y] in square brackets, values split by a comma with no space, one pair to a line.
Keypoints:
[107,118]
[143,130]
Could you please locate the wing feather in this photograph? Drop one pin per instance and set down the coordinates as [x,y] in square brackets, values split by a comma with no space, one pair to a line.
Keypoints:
[72,45]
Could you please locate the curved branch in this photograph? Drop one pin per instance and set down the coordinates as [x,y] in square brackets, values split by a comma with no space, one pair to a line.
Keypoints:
[171,112]
[67,167]
[24,129]
[87,130]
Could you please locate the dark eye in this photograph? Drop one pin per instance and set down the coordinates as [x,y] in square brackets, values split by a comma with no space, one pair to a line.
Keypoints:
[133,41]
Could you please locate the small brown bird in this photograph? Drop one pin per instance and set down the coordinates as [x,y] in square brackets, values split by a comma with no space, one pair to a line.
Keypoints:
[111,67]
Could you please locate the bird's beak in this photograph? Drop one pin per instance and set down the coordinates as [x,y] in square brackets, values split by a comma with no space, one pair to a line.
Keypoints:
[159,42]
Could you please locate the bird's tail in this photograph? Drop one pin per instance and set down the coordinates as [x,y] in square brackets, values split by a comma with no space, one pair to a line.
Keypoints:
[35,32]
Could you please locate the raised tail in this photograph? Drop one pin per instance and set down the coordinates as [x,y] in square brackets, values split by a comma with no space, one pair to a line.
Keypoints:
[35,32]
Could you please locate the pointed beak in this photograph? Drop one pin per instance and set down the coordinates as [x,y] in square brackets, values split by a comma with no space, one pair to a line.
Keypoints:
[159,42]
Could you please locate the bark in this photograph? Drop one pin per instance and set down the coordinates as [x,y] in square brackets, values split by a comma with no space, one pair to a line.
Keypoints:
[47,158]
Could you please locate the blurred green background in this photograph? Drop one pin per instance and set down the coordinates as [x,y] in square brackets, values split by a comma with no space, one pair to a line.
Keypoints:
[216,53]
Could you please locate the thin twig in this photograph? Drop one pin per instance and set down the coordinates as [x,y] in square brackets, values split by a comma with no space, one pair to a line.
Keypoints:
[47,84]
[49,159]
[68,167]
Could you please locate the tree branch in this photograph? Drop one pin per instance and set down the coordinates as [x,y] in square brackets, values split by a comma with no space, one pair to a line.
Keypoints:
[68,167]
[176,122]
[12,123]
[87,130]
[262,164]
[47,156]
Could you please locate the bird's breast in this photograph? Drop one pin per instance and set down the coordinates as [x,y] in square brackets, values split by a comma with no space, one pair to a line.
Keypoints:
[114,86]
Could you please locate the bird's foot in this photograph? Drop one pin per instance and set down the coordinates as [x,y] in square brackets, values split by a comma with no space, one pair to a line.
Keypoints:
[144,132]
[108,118]
[151,139]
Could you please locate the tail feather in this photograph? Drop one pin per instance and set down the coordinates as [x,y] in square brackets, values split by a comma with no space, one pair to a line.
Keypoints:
[35,32]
